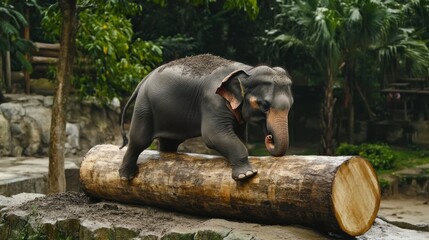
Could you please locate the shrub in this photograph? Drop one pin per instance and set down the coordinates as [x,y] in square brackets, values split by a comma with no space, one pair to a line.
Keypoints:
[381,156]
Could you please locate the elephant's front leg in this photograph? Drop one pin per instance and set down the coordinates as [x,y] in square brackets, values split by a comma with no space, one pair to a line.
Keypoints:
[223,139]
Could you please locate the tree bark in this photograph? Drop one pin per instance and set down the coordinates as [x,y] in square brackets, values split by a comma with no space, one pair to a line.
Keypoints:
[1,77]
[27,37]
[56,175]
[8,72]
[333,194]
[350,103]
[327,117]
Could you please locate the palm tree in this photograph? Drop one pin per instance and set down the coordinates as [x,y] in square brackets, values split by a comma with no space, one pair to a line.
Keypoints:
[333,33]
[404,50]
[315,27]
[365,23]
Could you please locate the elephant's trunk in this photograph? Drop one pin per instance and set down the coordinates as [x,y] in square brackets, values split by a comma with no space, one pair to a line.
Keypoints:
[277,139]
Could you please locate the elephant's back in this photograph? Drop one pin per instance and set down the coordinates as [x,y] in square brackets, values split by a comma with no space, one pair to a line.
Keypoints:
[197,66]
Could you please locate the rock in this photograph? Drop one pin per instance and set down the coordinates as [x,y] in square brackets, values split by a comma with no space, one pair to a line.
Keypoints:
[42,116]
[12,111]
[71,215]
[384,230]
[72,134]
[32,135]
[17,151]
[27,118]
[5,136]
[179,233]
[25,135]
[48,101]
[18,199]
[115,104]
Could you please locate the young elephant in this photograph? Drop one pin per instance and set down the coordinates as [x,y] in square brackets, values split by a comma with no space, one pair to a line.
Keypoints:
[212,97]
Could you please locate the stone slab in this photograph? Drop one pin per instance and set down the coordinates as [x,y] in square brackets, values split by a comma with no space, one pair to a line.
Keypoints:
[25,174]
[72,216]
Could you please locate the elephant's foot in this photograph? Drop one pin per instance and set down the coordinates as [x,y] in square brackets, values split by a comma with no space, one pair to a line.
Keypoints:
[127,172]
[243,172]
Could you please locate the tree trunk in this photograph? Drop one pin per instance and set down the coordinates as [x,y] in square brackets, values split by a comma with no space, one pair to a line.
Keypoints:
[327,118]
[2,82]
[333,194]
[8,72]
[56,176]
[350,105]
[27,37]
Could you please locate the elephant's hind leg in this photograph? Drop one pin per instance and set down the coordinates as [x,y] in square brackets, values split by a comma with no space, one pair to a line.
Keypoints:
[140,139]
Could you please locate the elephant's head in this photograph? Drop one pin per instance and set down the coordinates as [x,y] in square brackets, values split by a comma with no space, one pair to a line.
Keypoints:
[262,95]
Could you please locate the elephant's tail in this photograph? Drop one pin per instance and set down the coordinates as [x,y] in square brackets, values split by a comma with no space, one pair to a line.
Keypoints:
[132,98]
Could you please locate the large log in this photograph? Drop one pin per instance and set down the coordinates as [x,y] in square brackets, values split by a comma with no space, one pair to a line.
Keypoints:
[334,194]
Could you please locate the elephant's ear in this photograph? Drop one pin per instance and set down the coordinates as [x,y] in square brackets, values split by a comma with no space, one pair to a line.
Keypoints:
[232,88]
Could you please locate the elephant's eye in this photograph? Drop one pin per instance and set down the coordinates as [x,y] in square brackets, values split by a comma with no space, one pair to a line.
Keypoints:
[265,106]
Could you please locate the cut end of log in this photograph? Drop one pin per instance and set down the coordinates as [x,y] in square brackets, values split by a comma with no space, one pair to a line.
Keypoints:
[356,205]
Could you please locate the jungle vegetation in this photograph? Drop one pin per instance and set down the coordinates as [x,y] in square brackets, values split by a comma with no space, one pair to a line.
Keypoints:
[349,48]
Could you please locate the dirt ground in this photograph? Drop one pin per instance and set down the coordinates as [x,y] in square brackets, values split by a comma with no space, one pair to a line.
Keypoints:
[72,205]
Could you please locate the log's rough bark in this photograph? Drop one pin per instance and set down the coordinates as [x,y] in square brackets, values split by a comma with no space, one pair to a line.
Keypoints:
[334,194]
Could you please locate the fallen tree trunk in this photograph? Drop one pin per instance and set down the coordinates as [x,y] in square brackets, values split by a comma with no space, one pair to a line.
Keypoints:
[334,194]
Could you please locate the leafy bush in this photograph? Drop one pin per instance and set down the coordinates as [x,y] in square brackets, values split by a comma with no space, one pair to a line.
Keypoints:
[110,61]
[381,156]
[12,21]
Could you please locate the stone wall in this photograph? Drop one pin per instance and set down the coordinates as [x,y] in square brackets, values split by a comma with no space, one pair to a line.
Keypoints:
[25,122]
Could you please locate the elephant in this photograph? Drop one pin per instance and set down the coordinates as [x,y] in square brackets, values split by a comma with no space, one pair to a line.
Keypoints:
[211,97]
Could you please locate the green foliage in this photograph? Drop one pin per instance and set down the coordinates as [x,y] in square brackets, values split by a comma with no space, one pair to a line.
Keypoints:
[11,23]
[384,184]
[176,46]
[110,62]
[381,156]
[411,156]
[249,6]
[336,31]
[185,28]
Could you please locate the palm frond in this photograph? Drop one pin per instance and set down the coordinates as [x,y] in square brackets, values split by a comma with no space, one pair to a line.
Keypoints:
[19,18]
[7,15]
[7,29]
[26,65]
[4,43]
[287,41]
[417,53]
